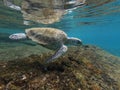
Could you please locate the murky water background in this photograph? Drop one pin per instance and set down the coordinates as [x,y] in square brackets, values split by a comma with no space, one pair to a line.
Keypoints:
[97,23]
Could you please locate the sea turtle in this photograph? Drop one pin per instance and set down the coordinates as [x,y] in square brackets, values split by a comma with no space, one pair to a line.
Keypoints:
[50,38]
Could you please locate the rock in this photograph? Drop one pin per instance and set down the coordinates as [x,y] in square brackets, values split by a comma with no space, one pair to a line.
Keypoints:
[2,84]
[81,68]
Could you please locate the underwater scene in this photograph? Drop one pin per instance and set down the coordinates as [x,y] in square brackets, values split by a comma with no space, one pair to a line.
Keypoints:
[59,45]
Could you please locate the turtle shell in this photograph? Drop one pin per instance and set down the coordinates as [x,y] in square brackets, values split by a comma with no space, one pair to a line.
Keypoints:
[48,37]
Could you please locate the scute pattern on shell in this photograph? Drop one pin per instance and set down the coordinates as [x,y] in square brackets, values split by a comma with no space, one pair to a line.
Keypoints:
[48,37]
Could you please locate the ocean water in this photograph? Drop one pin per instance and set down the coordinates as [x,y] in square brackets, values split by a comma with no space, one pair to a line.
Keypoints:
[96,23]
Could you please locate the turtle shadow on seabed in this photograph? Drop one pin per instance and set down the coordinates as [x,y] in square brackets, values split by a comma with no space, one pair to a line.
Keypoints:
[86,67]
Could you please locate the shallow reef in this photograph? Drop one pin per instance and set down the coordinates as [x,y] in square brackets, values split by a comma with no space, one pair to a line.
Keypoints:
[81,68]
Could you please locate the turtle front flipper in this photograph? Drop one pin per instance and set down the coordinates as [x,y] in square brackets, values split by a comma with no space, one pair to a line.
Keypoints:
[61,51]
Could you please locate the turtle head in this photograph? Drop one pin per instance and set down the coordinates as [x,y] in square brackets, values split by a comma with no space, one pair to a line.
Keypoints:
[18,36]
[78,42]
[73,41]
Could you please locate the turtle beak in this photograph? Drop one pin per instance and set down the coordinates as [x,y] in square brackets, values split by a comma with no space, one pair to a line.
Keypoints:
[79,42]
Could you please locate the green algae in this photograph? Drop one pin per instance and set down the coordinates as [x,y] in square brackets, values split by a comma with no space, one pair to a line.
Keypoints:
[81,68]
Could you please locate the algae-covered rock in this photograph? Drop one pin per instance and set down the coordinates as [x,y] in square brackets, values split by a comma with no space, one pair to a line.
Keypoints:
[81,68]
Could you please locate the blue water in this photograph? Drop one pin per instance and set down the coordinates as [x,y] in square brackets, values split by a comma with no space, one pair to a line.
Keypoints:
[100,28]
[104,36]
[94,24]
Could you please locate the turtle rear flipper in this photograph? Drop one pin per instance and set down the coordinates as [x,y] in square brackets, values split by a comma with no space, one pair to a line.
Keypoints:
[18,36]
[11,5]
[61,51]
